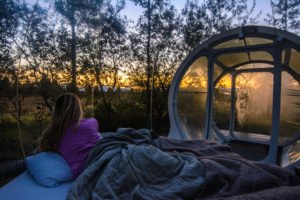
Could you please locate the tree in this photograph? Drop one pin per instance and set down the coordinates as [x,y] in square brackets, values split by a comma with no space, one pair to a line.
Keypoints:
[195,28]
[9,21]
[60,57]
[103,52]
[8,91]
[75,11]
[164,52]
[285,15]
[154,43]
[202,21]
[37,51]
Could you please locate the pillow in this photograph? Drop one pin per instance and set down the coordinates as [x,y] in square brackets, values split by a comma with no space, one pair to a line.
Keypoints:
[48,169]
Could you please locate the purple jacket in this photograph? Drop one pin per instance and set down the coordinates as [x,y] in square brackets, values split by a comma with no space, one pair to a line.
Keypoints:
[77,142]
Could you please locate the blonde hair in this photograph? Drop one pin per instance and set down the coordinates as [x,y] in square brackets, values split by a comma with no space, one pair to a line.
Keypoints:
[67,111]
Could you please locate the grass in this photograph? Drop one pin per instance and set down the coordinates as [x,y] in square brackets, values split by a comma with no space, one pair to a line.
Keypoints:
[10,147]
[30,130]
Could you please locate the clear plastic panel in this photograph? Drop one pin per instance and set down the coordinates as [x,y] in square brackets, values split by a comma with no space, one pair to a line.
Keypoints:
[249,41]
[255,66]
[254,94]
[260,55]
[222,103]
[290,106]
[257,41]
[217,71]
[232,59]
[291,57]
[191,99]
[295,60]
[230,44]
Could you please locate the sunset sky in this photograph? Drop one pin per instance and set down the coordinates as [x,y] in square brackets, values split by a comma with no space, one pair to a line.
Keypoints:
[133,12]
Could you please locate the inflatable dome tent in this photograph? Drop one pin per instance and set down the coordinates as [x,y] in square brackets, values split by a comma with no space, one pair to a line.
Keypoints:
[242,88]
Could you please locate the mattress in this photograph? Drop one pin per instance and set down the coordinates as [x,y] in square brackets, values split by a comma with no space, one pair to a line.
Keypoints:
[25,187]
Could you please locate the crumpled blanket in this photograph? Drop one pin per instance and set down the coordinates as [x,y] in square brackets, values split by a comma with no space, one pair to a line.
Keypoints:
[129,165]
[229,176]
[136,164]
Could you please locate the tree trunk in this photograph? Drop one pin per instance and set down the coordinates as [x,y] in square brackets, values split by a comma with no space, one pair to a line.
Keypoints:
[18,106]
[285,14]
[73,50]
[148,62]
[47,103]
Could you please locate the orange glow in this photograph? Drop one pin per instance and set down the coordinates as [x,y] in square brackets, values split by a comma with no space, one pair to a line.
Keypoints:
[194,79]
[225,82]
[247,81]
[193,83]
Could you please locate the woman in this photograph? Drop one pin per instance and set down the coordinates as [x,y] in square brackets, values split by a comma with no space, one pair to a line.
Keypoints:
[68,134]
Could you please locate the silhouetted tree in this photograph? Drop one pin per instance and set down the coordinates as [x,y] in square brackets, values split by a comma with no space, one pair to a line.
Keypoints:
[202,21]
[35,47]
[164,51]
[74,11]
[103,52]
[285,15]
[9,21]
[155,48]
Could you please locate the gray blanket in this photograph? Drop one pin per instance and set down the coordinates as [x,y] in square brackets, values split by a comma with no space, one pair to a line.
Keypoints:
[134,164]
[128,165]
[229,176]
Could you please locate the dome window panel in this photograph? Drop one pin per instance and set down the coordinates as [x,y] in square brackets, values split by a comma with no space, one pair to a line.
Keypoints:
[240,42]
[191,99]
[291,58]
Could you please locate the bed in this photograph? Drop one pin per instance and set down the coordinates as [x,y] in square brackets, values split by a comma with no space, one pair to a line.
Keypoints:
[136,164]
[25,186]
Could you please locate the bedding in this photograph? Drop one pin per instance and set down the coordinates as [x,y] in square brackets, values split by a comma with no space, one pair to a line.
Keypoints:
[24,187]
[49,169]
[231,177]
[135,164]
[128,165]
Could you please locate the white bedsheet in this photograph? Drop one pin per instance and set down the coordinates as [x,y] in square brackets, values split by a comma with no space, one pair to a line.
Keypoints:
[24,187]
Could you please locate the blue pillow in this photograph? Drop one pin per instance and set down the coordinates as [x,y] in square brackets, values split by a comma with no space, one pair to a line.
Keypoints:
[48,169]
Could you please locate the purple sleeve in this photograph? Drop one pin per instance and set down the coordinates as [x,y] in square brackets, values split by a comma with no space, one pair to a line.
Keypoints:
[90,127]
[93,123]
